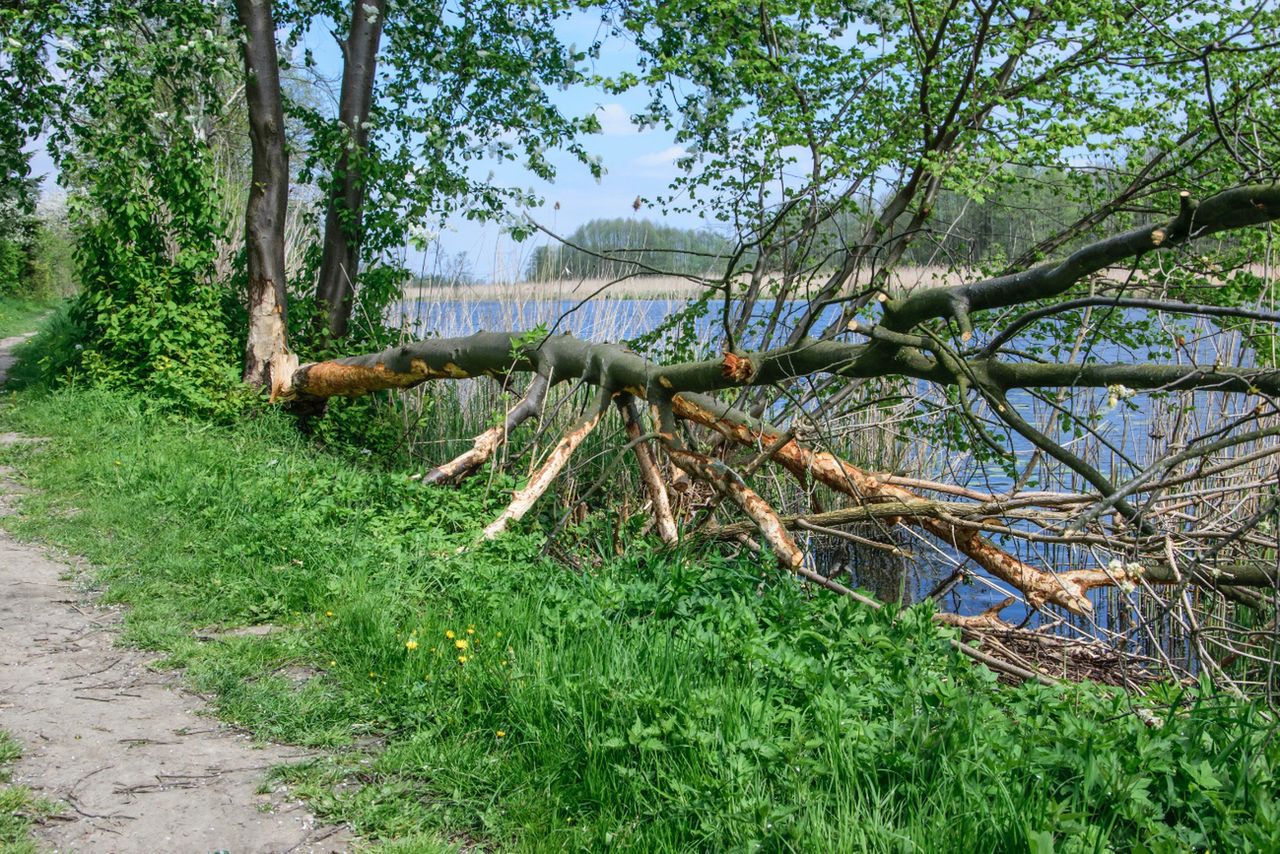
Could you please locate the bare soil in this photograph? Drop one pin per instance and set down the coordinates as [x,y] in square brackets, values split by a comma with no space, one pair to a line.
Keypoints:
[135,760]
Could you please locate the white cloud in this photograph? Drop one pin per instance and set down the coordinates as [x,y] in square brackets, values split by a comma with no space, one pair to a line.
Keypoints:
[615,121]
[665,157]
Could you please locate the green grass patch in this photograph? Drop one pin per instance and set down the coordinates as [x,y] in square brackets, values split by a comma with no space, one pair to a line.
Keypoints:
[650,702]
[20,314]
[19,808]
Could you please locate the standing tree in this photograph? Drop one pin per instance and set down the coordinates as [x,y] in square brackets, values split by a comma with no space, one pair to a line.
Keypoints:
[266,355]
[339,267]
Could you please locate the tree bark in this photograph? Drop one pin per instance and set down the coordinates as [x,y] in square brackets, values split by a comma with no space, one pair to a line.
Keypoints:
[267,361]
[340,261]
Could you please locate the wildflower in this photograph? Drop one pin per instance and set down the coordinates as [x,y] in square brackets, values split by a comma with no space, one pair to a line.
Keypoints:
[328,613]
[501,734]
[471,630]
[462,659]
[461,644]
[411,644]
[450,635]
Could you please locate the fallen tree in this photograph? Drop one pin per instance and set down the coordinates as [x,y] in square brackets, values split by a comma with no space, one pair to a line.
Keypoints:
[906,341]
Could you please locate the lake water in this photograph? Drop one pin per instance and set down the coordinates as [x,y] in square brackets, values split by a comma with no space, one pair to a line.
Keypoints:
[1128,433]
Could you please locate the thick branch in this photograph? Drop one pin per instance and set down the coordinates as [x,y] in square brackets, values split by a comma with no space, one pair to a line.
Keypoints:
[662,516]
[1230,209]
[1039,586]
[525,497]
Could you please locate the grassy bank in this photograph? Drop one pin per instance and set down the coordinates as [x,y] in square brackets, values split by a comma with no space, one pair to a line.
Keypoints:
[647,702]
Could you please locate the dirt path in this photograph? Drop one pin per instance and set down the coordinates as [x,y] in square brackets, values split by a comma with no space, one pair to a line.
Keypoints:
[124,747]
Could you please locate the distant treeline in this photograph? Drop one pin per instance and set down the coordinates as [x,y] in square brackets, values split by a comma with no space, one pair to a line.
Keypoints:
[962,231]
[609,248]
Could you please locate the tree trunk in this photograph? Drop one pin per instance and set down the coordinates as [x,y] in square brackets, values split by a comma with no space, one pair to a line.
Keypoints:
[340,261]
[267,361]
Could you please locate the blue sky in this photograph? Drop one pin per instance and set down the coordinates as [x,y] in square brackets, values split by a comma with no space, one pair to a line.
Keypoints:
[637,163]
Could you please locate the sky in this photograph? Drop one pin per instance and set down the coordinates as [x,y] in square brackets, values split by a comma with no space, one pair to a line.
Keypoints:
[636,163]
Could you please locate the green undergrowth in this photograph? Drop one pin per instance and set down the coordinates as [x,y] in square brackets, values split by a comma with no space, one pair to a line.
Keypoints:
[649,702]
[19,808]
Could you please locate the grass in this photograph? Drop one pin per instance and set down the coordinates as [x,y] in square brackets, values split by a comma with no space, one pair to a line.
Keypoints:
[19,809]
[21,314]
[650,702]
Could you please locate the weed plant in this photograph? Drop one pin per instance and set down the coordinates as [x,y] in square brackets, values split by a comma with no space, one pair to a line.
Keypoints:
[653,701]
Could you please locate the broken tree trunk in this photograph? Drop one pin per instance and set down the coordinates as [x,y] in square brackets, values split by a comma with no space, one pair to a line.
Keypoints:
[902,344]
[267,361]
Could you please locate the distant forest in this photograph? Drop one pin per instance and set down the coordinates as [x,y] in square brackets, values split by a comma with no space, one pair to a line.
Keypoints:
[610,248]
[962,231]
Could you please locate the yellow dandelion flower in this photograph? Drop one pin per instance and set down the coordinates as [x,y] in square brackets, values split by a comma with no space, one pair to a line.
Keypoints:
[501,734]
[328,613]
[450,635]
[462,659]
[471,630]
[411,645]
[460,644]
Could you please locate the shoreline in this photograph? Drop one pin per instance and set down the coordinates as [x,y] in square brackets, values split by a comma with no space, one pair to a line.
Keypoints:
[645,287]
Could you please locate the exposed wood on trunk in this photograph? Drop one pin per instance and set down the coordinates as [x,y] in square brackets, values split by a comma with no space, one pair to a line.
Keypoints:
[663,519]
[488,442]
[729,483]
[524,498]
[340,261]
[988,619]
[267,361]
